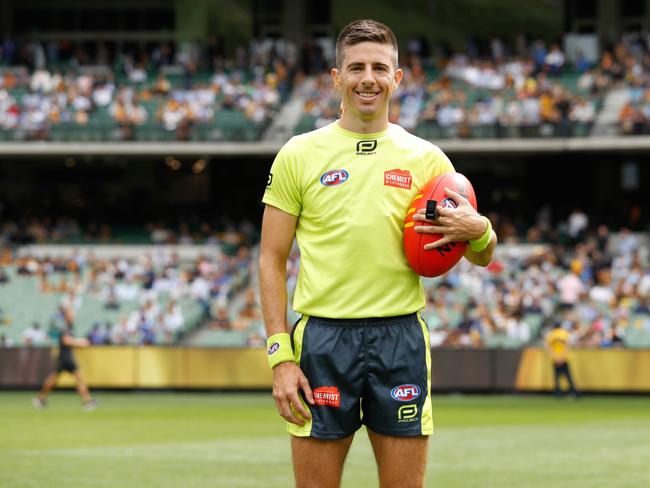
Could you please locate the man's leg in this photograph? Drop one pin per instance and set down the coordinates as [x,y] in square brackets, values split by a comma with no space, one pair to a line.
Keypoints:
[48,384]
[82,388]
[401,461]
[557,371]
[569,378]
[318,463]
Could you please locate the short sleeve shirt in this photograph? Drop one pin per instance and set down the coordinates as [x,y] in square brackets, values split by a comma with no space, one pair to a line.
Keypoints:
[351,193]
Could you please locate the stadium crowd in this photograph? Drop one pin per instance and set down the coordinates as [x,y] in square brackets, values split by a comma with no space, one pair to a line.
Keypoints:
[630,62]
[595,282]
[32,105]
[527,89]
[67,230]
[592,280]
[508,93]
[38,93]
[142,301]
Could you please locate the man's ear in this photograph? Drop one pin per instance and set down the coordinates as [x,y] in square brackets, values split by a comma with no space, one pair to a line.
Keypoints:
[399,74]
[336,77]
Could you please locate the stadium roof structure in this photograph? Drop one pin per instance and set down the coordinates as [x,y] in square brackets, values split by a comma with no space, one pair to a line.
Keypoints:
[270,148]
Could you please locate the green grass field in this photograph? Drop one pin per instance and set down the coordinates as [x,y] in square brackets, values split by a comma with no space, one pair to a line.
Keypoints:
[237,440]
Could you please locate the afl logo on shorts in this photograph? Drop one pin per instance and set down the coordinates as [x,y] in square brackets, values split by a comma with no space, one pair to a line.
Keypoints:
[405,393]
[334,177]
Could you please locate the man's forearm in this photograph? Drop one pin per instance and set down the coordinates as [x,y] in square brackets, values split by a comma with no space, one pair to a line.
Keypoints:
[273,291]
[483,257]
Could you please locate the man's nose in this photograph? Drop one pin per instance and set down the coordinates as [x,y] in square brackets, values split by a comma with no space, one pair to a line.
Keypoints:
[368,75]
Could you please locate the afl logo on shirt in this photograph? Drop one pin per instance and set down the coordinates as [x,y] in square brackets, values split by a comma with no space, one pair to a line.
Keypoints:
[334,177]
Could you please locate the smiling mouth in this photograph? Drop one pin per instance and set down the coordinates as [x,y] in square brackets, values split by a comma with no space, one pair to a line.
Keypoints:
[368,95]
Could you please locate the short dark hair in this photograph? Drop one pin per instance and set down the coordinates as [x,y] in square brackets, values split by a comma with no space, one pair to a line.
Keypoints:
[364,30]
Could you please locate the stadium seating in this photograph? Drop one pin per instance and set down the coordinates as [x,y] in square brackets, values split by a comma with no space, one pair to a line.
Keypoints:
[637,333]
[210,107]
[24,304]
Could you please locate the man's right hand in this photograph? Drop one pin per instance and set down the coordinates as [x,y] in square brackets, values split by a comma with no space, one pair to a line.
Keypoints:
[288,380]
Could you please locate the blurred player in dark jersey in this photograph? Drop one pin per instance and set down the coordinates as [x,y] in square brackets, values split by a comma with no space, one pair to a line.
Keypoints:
[66,362]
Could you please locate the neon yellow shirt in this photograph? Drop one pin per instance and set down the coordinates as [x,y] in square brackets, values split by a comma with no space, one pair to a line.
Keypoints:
[558,342]
[351,193]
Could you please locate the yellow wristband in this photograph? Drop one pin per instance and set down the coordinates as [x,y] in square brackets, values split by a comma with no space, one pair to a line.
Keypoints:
[482,242]
[279,350]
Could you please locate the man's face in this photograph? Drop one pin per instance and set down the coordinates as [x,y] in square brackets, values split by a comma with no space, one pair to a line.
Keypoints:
[367,79]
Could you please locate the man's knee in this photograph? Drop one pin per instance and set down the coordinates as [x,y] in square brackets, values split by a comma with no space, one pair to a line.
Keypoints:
[401,460]
[318,463]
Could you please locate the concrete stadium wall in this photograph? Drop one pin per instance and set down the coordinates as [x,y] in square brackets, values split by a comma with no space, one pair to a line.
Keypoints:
[598,370]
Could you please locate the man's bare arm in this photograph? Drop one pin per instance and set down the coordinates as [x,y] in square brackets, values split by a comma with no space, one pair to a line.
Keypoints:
[483,257]
[71,341]
[278,229]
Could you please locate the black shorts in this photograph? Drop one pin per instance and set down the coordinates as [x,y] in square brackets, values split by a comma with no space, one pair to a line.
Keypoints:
[66,364]
[375,372]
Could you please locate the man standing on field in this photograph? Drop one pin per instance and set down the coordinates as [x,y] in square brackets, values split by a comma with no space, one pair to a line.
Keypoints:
[360,353]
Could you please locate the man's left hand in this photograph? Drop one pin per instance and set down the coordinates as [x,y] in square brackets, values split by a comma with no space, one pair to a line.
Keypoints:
[459,224]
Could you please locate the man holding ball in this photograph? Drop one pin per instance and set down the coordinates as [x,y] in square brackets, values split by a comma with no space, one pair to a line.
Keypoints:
[360,353]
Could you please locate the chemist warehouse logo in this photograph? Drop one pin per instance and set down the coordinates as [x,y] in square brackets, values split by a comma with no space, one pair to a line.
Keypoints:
[328,396]
[334,177]
[399,178]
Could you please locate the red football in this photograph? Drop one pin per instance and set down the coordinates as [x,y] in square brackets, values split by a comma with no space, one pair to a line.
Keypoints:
[435,262]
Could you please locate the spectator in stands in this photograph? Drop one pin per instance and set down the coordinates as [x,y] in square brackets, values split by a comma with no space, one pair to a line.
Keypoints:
[146,330]
[72,301]
[4,277]
[578,222]
[602,292]
[613,337]
[34,335]
[582,112]
[516,328]
[554,60]
[112,301]
[249,313]
[221,319]
[171,321]
[255,341]
[161,86]
[96,336]
[630,120]
[6,341]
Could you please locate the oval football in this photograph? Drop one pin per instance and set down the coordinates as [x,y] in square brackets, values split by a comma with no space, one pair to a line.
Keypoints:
[435,262]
